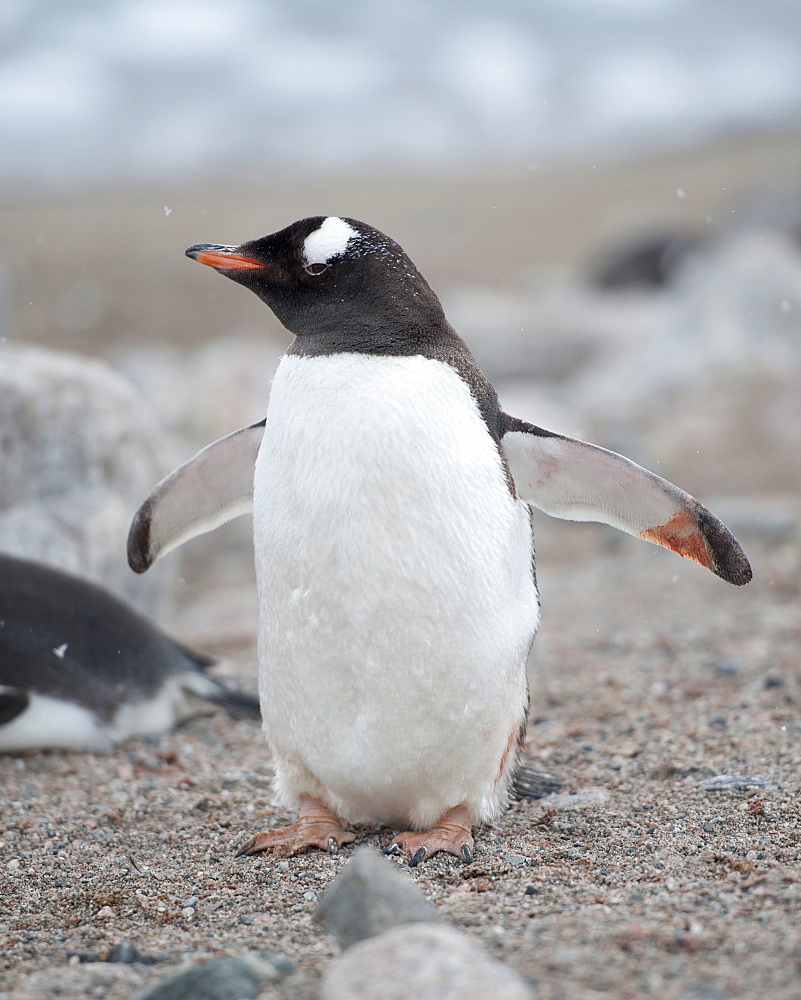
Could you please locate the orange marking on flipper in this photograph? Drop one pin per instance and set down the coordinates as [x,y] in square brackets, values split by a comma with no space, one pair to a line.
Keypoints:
[681,534]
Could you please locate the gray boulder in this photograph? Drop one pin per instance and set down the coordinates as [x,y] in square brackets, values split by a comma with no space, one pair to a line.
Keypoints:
[80,450]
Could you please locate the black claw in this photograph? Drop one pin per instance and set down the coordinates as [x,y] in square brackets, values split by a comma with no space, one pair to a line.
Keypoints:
[467,854]
[243,849]
[392,849]
[417,857]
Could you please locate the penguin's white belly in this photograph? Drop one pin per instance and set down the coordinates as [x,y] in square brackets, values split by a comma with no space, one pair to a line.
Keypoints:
[396,591]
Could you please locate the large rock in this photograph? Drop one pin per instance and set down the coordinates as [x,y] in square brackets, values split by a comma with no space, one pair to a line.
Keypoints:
[370,896]
[421,962]
[80,451]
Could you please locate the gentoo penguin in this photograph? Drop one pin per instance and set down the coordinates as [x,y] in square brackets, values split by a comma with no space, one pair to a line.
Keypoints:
[81,670]
[393,543]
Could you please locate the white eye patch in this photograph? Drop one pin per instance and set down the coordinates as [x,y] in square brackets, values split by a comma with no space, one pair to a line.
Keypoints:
[329,241]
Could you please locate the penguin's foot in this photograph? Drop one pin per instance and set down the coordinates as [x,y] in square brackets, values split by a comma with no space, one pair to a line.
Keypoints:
[317,826]
[452,834]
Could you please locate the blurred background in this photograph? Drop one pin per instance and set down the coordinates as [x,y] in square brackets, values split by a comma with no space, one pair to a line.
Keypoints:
[606,194]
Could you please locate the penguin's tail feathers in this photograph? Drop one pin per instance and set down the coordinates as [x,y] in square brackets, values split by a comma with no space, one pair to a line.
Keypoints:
[240,704]
[237,703]
[529,783]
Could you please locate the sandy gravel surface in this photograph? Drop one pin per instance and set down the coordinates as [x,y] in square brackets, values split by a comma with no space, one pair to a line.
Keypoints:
[649,677]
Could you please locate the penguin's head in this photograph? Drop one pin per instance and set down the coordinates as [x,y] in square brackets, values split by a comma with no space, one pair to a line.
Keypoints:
[332,279]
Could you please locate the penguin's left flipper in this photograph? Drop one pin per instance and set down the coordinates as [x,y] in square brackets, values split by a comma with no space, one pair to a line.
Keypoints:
[210,489]
[577,481]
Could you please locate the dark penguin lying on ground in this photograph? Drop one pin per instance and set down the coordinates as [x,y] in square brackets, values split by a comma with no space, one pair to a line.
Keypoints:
[81,670]
[393,543]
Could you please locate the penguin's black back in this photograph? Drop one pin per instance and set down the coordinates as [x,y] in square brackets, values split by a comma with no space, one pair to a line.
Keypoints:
[111,650]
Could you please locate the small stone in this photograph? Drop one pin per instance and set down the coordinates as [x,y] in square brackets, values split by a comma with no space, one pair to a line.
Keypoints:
[516,859]
[704,991]
[105,913]
[424,961]
[724,782]
[244,920]
[240,978]
[585,798]
[127,953]
[726,668]
[370,896]
[13,863]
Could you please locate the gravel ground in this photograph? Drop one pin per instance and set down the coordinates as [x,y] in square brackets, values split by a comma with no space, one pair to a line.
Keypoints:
[640,879]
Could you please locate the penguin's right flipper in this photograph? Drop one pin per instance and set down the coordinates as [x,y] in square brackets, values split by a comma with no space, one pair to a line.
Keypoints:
[210,489]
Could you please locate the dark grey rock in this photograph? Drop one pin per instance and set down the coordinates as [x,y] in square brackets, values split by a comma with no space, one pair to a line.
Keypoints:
[423,961]
[240,978]
[368,897]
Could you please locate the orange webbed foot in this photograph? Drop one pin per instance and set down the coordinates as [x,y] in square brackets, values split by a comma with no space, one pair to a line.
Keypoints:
[452,835]
[317,826]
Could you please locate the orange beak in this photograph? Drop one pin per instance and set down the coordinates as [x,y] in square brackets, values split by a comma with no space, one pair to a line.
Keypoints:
[222,258]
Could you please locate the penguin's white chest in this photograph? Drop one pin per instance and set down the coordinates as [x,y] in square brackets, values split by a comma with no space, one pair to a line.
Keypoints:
[396,590]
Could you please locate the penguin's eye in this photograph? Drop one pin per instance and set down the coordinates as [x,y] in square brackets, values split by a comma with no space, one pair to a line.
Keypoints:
[316,268]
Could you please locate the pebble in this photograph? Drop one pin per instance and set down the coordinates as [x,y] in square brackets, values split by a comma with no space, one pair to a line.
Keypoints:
[582,798]
[370,896]
[723,782]
[127,953]
[424,961]
[726,668]
[240,978]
